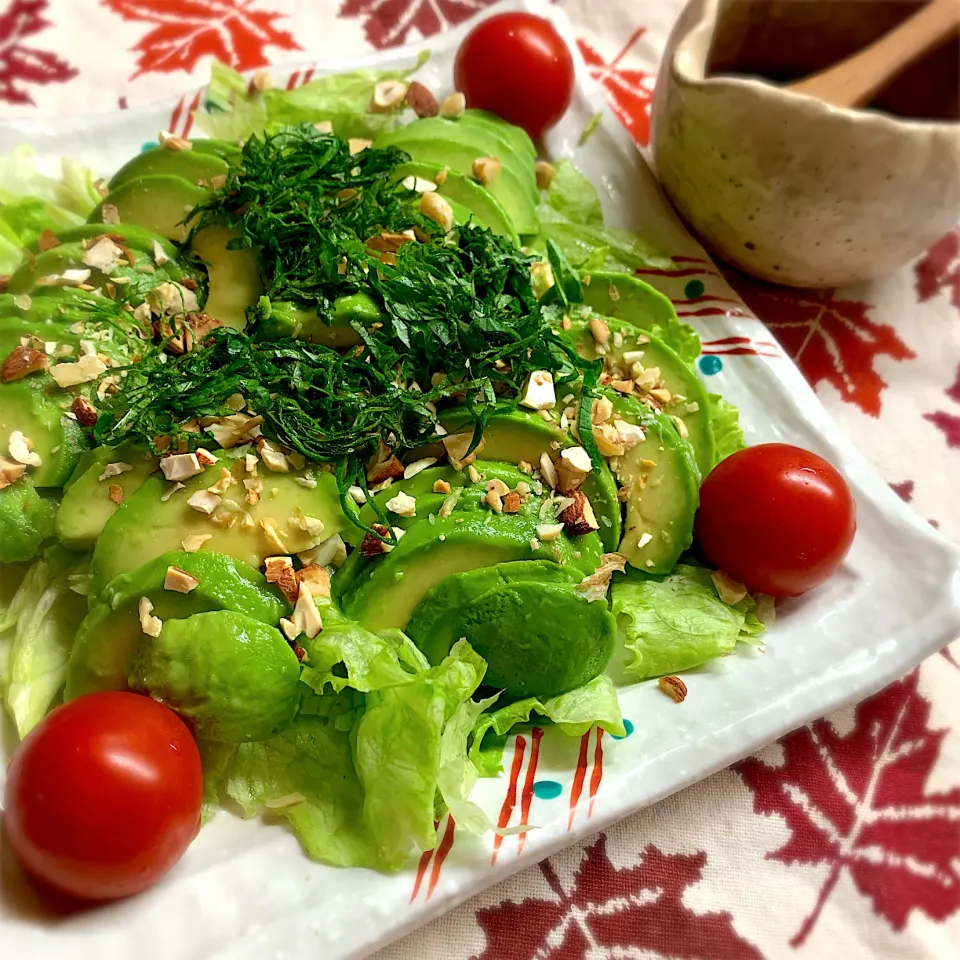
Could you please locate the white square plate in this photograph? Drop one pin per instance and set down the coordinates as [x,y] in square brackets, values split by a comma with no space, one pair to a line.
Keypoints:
[244,889]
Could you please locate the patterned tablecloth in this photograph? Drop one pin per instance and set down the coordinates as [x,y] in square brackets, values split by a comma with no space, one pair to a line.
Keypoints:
[844,839]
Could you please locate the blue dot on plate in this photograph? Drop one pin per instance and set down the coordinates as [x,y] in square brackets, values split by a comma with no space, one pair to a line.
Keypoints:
[710,365]
[149,145]
[693,289]
[547,789]
[628,726]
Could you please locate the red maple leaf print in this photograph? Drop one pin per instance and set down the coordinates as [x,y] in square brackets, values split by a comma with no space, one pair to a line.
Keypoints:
[185,31]
[857,803]
[20,64]
[389,23]
[940,269]
[639,907]
[628,92]
[948,423]
[829,339]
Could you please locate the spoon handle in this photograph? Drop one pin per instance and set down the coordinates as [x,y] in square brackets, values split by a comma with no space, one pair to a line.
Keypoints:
[855,80]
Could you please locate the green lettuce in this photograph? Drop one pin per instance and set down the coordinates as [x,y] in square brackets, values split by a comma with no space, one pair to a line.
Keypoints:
[725,423]
[37,628]
[676,622]
[574,712]
[572,218]
[233,110]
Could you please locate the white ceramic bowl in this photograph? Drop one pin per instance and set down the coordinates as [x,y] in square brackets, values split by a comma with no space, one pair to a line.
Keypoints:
[782,185]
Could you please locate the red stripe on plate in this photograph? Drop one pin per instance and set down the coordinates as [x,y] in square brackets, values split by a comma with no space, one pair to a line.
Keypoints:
[175,116]
[292,79]
[686,272]
[578,777]
[446,845]
[709,312]
[307,75]
[724,341]
[527,796]
[596,774]
[689,260]
[421,871]
[705,298]
[194,104]
[742,352]
[510,800]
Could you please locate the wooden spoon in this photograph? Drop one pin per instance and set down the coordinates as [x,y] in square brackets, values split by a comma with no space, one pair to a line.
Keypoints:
[854,81]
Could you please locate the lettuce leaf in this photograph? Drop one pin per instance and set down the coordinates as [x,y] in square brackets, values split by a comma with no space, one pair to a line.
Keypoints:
[36,635]
[232,110]
[677,622]
[573,712]
[572,217]
[725,423]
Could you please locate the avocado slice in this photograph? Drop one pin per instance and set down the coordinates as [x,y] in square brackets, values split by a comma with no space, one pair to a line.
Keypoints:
[473,196]
[219,148]
[189,164]
[26,406]
[539,636]
[144,526]
[664,483]
[233,276]
[159,202]
[87,505]
[521,435]
[231,677]
[627,298]
[108,636]
[688,398]
[134,237]
[514,138]
[447,143]
[26,520]
[14,329]
[278,319]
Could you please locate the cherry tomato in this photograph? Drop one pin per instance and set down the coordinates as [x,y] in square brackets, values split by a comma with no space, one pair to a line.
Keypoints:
[777,518]
[103,796]
[516,66]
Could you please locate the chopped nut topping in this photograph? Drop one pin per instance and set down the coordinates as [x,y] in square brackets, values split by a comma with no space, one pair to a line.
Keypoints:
[279,570]
[454,106]
[21,362]
[311,526]
[545,174]
[261,81]
[271,533]
[84,411]
[402,505]
[180,466]
[456,445]
[418,466]
[446,508]
[441,486]
[169,142]
[87,368]
[224,483]
[194,542]
[389,469]
[572,468]
[323,126]
[372,546]
[234,429]
[524,467]
[358,495]
[205,457]
[629,434]
[599,330]
[20,449]
[174,489]
[493,498]
[731,591]
[539,393]
[109,213]
[579,518]
[674,688]
[179,580]
[149,624]
[103,255]
[317,578]
[47,240]
[388,242]
[436,208]
[548,471]
[114,470]
[203,501]
[512,502]
[388,95]
[549,531]
[331,551]
[486,169]
[306,616]
[170,299]
[421,100]
[358,145]
[10,472]
[608,440]
[420,185]
[473,473]
[273,459]
[594,587]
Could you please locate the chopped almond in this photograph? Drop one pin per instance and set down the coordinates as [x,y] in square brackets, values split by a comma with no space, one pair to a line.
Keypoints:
[179,580]
[421,100]
[84,411]
[599,330]
[402,505]
[180,466]
[572,468]
[418,466]
[115,492]
[390,469]
[203,501]
[674,688]
[436,208]
[454,106]
[539,393]
[388,95]
[47,240]
[149,624]
[194,542]
[10,472]
[545,174]
[317,578]
[512,502]
[441,486]
[21,449]
[549,531]
[21,362]
[169,142]
[372,546]
[358,145]
[548,470]
[594,587]
[271,532]
[486,169]
[579,518]
[279,570]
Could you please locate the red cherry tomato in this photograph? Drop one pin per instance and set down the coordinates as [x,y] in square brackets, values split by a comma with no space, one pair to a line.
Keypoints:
[777,518]
[516,66]
[103,796]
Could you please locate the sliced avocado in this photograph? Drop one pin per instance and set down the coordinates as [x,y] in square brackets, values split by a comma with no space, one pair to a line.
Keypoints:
[540,638]
[446,143]
[26,520]
[624,297]
[521,435]
[278,319]
[134,237]
[664,483]
[232,678]
[158,202]
[61,305]
[688,398]
[219,148]
[108,636]
[189,164]
[514,138]
[88,502]
[233,276]
[58,440]
[14,329]
[457,188]
[144,526]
